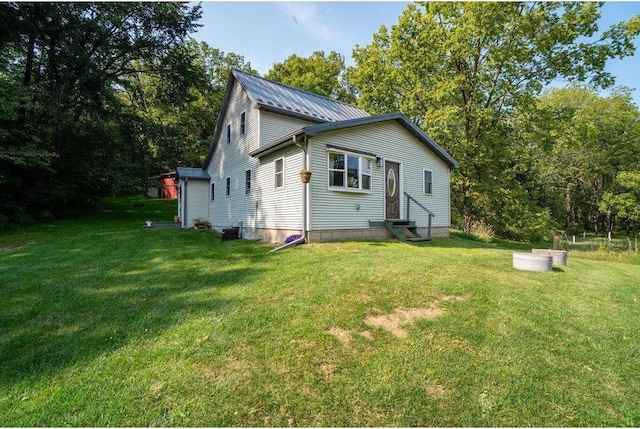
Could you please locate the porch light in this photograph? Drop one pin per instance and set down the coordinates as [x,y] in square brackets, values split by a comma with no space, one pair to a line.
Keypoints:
[379,161]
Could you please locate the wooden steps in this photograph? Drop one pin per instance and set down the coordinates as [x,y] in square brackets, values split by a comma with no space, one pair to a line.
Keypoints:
[404,230]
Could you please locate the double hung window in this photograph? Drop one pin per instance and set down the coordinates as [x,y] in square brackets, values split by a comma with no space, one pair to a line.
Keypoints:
[247,182]
[427,182]
[278,165]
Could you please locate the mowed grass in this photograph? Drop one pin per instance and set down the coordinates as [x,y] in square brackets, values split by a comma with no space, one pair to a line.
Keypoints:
[103,323]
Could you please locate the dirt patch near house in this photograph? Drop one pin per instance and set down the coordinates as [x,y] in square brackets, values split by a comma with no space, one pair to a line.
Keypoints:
[401,317]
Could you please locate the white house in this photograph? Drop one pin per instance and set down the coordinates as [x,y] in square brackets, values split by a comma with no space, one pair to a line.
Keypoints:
[372,177]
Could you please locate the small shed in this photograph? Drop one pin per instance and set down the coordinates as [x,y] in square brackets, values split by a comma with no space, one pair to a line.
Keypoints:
[163,186]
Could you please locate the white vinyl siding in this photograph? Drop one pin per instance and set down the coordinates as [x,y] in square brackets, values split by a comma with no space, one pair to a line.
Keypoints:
[352,210]
[196,201]
[264,206]
[274,126]
[232,161]
[280,208]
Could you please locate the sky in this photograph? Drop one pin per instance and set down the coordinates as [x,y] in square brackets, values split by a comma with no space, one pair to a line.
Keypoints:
[266,32]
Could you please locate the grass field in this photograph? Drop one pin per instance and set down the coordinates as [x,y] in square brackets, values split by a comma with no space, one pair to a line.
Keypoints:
[104,323]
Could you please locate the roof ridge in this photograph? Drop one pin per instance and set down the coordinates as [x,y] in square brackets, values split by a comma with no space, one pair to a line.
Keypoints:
[294,88]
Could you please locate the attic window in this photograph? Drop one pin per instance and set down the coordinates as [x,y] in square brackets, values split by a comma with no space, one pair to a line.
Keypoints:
[228,134]
[243,122]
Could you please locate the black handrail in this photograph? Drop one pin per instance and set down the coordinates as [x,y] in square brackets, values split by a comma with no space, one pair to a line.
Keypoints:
[431,214]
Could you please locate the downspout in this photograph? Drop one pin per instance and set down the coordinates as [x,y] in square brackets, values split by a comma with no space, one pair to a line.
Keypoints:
[305,186]
[302,145]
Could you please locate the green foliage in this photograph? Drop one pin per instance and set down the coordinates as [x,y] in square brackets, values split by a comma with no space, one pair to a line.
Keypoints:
[321,74]
[470,72]
[63,124]
[584,141]
[623,200]
[96,97]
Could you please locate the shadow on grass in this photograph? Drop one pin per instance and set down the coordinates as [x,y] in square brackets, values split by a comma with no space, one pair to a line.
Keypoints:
[68,302]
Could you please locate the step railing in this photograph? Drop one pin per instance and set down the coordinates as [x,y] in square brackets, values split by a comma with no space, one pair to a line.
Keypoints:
[431,215]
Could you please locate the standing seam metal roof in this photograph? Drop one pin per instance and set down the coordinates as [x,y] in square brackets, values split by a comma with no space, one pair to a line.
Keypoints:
[192,173]
[295,102]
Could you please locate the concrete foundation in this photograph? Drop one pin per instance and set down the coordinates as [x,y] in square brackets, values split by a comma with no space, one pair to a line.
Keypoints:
[331,235]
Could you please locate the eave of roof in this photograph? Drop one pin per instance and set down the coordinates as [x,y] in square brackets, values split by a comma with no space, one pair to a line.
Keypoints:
[278,144]
[313,130]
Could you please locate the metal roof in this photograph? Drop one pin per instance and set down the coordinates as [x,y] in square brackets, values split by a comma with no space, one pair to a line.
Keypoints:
[192,173]
[280,98]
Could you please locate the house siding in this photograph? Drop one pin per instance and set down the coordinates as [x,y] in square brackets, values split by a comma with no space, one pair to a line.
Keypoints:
[232,160]
[351,210]
[274,126]
[279,208]
[265,209]
[194,194]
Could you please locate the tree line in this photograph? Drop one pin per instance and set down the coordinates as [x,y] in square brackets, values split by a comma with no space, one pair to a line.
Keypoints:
[96,97]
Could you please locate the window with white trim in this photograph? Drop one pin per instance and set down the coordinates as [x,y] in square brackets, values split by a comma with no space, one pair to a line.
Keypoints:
[427,182]
[243,122]
[213,192]
[247,182]
[228,188]
[278,168]
[228,134]
[347,171]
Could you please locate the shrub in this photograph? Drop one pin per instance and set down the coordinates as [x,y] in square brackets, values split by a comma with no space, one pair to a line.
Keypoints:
[483,231]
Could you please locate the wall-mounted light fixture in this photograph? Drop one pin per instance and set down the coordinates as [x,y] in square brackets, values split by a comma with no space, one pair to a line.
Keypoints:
[379,161]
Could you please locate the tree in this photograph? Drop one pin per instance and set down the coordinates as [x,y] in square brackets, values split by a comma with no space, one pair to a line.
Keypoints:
[64,125]
[624,201]
[318,73]
[178,125]
[465,71]
[583,141]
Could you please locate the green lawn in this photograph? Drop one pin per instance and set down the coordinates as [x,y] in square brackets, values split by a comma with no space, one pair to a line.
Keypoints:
[103,323]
